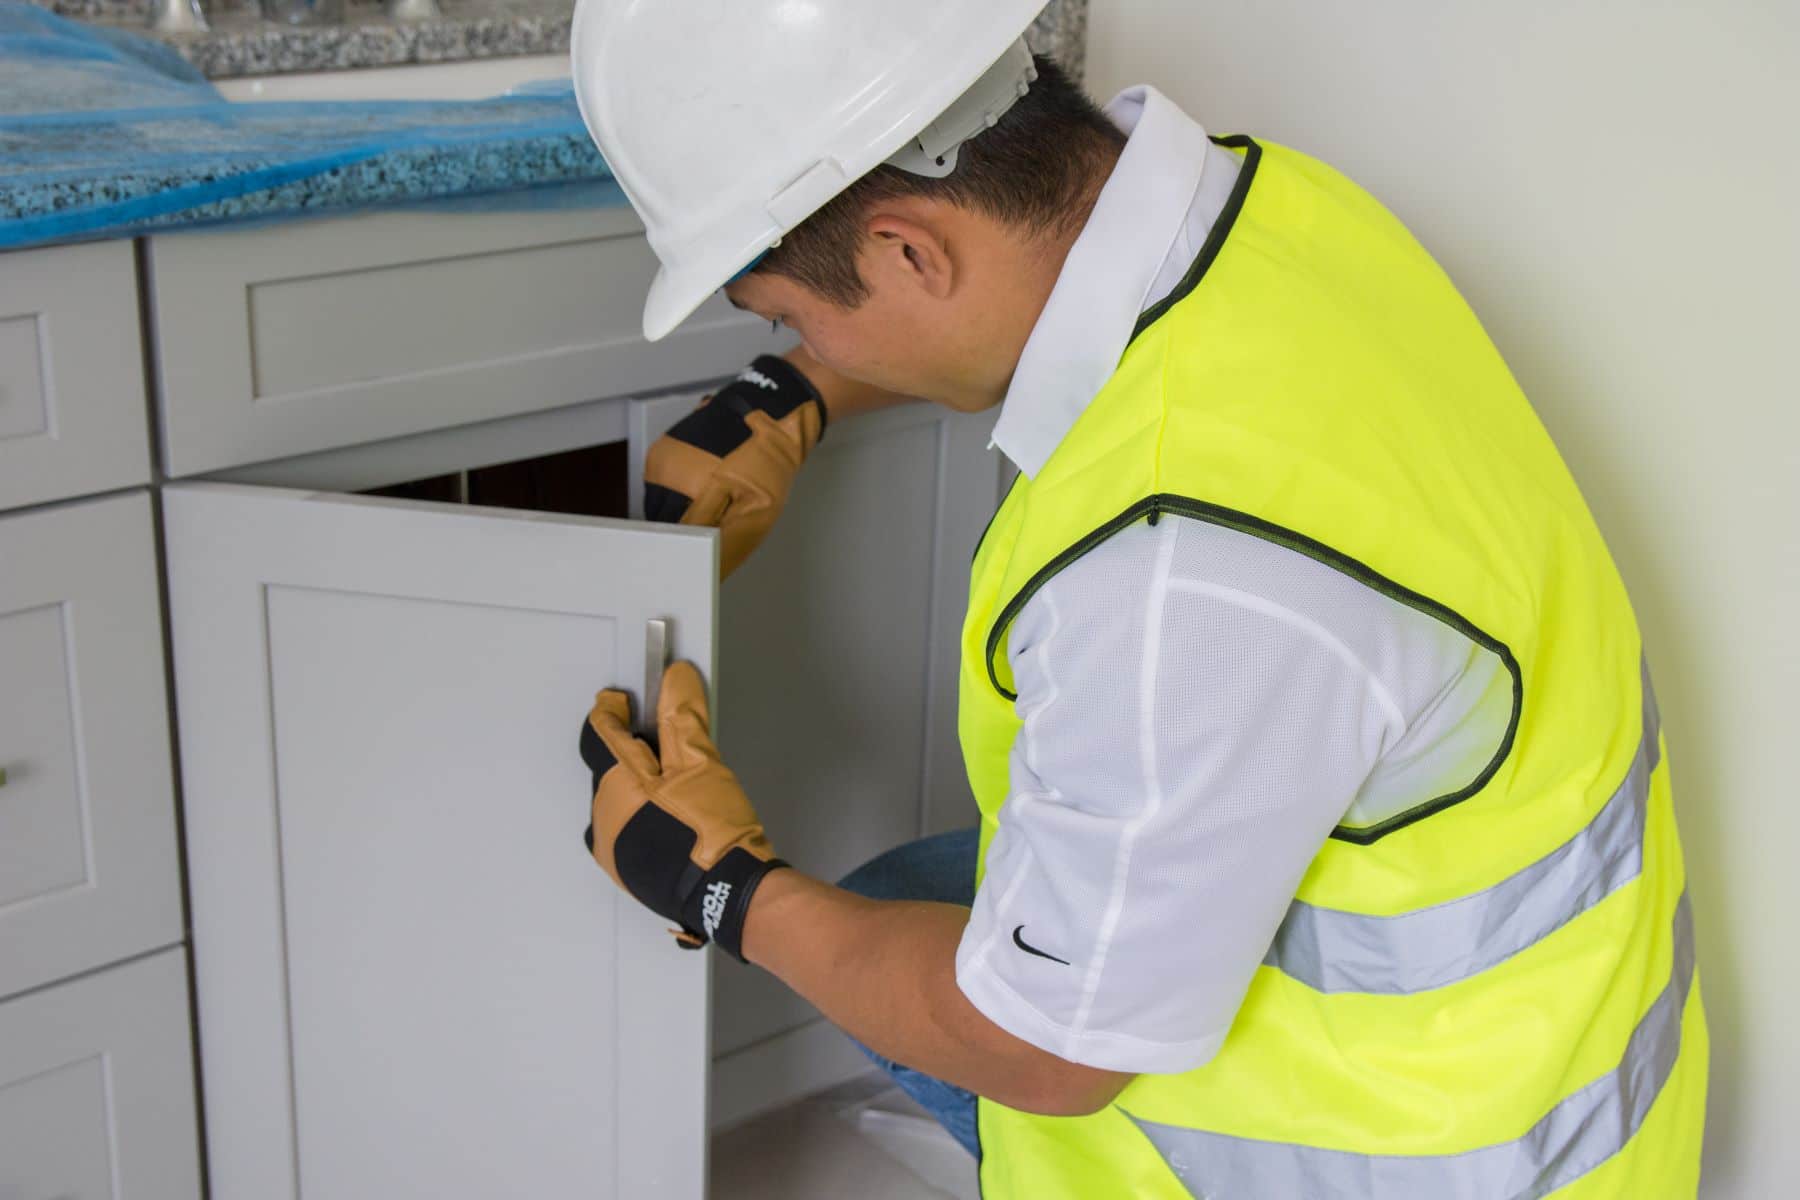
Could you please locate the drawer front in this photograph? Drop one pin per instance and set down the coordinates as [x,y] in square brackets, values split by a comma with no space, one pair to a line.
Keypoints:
[273,343]
[97,1088]
[72,416]
[88,869]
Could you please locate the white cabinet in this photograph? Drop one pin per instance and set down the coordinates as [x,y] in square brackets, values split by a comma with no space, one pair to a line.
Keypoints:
[411,978]
[88,865]
[97,1088]
[72,416]
[409,975]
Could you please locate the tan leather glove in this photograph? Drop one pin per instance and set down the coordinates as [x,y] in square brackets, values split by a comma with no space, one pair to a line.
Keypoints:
[674,828]
[731,463]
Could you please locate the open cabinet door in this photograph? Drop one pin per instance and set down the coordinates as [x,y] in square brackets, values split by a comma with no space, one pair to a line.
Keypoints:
[411,979]
[839,649]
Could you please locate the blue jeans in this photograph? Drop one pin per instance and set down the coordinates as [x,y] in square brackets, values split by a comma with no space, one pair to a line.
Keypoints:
[940,869]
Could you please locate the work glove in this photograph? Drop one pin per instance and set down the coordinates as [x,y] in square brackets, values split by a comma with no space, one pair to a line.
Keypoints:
[731,463]
[671,824]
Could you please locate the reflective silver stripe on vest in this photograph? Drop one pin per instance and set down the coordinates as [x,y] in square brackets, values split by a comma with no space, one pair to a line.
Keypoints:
[1333,951]
[1576,1136]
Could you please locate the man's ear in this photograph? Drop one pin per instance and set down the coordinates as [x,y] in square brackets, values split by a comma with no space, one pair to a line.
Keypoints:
[911,253]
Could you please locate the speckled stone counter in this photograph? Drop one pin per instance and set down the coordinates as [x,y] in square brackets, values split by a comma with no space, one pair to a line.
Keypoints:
[241,43]
[112,136]
[107,136]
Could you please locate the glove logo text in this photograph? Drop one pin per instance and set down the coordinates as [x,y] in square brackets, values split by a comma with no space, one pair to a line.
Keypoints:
[712,909]
[752,375]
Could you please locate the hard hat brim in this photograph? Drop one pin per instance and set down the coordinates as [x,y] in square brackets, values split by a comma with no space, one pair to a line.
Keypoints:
[673,298]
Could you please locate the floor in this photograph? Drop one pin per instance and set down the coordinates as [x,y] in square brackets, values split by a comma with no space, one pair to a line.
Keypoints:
[846,1143]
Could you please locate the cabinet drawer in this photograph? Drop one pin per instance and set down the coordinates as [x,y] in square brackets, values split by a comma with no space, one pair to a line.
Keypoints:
[72,418]
[88,869]
[97,1088]
[279,342]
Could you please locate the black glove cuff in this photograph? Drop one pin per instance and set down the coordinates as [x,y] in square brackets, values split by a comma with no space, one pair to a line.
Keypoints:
[717,909]
[775,386]
[769,385]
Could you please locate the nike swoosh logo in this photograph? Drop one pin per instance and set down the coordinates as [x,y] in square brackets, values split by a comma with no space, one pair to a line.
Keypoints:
[1020,943]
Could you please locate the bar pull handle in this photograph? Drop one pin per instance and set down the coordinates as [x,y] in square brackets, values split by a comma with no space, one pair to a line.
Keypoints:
[656,661]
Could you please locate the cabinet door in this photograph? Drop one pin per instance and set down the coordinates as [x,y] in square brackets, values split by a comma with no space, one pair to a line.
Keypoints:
[837,696]
[97,1088]
[88,867]
[411,979]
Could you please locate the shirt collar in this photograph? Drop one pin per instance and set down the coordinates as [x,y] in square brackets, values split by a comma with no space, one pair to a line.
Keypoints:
[1139,232]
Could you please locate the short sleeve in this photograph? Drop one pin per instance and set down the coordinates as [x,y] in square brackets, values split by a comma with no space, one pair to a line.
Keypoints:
[1194,729]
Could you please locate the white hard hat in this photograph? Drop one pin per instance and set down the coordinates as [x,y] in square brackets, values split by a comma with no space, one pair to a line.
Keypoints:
[729,122]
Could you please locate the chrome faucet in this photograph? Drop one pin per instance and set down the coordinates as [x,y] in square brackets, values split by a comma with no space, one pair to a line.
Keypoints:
[178,16]
[413,10]
[303,12]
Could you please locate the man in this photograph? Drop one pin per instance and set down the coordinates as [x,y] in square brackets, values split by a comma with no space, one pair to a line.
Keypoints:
[1326,844]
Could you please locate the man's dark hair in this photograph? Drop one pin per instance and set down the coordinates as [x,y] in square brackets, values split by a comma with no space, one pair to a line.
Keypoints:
[1037,170]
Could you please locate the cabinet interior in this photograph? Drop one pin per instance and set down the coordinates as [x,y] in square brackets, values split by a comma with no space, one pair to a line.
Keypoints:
[592,481]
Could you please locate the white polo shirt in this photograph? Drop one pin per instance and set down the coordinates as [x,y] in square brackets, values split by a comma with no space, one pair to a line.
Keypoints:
[1201,707]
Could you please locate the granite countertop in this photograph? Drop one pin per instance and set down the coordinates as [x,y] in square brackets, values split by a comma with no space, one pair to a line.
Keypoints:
[114,136]
[110,135]
[240,43]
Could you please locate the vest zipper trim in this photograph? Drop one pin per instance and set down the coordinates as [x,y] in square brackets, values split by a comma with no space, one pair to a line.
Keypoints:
[1155,507]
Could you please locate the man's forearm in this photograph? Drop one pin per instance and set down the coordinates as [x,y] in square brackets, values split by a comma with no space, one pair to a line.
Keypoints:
[885,972]
[843,396]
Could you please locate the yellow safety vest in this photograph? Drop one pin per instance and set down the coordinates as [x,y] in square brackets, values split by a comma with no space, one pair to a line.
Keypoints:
[1491,995]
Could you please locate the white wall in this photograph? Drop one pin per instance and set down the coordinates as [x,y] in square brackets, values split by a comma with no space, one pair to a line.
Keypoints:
[1613,184]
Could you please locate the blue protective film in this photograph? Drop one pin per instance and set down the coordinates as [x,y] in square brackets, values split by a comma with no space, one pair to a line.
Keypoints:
[106,134]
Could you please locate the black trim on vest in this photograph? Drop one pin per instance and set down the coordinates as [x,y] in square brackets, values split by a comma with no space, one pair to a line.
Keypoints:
[1215,237]
[1153,507]
[1215,241]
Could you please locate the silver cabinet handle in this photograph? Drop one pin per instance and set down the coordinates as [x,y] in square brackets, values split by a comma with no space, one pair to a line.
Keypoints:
[656,661]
